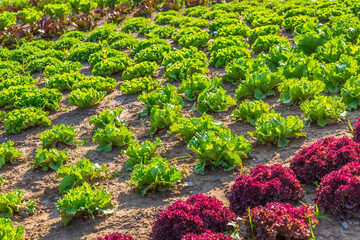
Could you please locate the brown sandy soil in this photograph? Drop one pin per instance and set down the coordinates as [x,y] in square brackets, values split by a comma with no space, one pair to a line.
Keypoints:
[133,213]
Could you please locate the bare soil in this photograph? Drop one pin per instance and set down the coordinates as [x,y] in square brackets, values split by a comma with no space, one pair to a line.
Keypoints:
[133,213]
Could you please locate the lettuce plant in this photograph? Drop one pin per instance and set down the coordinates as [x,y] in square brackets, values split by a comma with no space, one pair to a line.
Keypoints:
[40,98]
[198,214]
[272,127]
[195,84]
[84,200]
[7,19]
[280,220]
[222,56]
[188,127]
[21,119]
[322,157]
[233,30]
[78,174]
[64,67]
[152,53]
[337,192]
[104,54]
[85,97]
[310,41]
[185,68]
[65,81]
[237,69]
[250,111]
[332,50]
[217,148]
[351,93]
[264,184]
[293,90]
[101,33]
[107,117]
[111,65]
[8,153]
[298,65]
[82,52]
[324,110]
[229,41]
[148,43]
[140,153]
[140,70]
[116,236]
[140,84]
[98,83]
[260,85]
[160,97]
[336,74]
[263,31]
[191,36]
[51,158]
[57,10]
[9,231]
[163,117]
[156,175]
[215,100]
[175,56]
[111,136]
[58,134]
[13,202]
[264,43]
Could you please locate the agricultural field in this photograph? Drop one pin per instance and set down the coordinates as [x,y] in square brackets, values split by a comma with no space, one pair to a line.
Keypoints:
[179,120]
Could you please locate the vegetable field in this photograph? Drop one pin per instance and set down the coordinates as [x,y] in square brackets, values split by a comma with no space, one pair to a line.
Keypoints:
[179,120]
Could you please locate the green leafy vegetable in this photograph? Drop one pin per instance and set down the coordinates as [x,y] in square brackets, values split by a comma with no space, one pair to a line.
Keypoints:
[250,111]
[13,202]
[185,68]
[78,174]
[272,127]
[324,109]
[160,97]
[112,136]
[163,117]
[215,100]
[18,120]
[59,133]
[299,89]
[140,70]
[219,149]
[107,117]
[50,158]
[140,84]
[8,153]
[188,127]
[140,153]
[156,175]
[84,200]
[351,93]
[9,232]
[195,84]
[259,85]
[85,97]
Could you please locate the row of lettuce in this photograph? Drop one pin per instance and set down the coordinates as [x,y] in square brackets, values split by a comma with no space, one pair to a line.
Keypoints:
[263,196]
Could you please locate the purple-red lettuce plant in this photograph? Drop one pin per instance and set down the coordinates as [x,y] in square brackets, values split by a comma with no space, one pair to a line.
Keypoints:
[197,215]
[262,185]
[280,221]
[339,191]
[313,162]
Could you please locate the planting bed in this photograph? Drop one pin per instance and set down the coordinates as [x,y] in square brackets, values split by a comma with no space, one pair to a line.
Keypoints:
[136,206]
